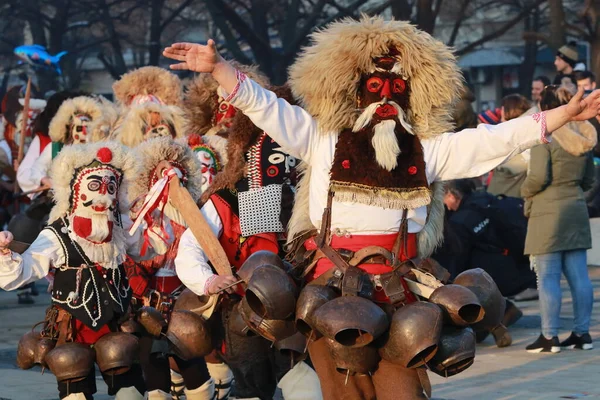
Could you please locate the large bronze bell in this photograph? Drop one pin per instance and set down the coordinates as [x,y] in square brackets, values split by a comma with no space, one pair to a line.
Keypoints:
[257,260]
[352,361]
[71,361]
[43,347]
[293,346]
[26,350]
[456,351]
[492,301]
[152,320]
[311,298]
[188,300]
[351,321]
[189,335]
[271,329]
[271,293]
[131,326]
[414,334]
[115,352]
[460,305]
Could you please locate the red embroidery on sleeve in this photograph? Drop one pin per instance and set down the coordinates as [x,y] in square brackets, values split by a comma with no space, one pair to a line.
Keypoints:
[241,77]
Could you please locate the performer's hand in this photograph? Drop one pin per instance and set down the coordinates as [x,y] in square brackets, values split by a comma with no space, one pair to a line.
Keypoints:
[203,58]
[5,239]
[220,282]
[580,109]
[194,57]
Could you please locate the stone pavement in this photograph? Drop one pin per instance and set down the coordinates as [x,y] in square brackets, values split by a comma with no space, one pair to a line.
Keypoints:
[497,374]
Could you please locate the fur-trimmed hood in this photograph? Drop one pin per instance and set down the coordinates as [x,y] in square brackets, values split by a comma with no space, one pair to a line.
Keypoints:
[242,135]
[149,81]
[151,153]
[60,126]
[201,99]
[326,74]
[73,157]
[576,138]
[130,130]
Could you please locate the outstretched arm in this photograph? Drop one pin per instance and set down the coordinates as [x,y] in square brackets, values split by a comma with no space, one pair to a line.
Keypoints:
[290,126]
[473,152]
[17,270]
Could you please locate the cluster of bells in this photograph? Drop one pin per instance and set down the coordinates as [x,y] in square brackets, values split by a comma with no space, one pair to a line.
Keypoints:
[436,334]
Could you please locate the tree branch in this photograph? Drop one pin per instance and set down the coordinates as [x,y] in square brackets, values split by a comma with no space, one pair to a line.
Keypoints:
[500,31]
[582,32]
[232,42]
[174,14]
[459,20]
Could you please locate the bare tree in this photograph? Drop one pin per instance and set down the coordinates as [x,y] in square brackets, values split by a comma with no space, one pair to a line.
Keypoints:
[270,32]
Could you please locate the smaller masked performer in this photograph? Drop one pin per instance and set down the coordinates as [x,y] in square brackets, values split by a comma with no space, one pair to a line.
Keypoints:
[82,119]
[154,282]
[243,207]
[211,152]
[148,121]
[151,100]
[12,111]
[41,126]
[85,242]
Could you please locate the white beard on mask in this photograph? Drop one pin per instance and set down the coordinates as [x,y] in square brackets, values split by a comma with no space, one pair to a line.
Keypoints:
[100,228]
[109,254]
[384,139]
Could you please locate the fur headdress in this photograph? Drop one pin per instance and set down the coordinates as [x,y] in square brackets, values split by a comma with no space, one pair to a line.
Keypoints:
[131,129]
[201,99]
[60,126]
[151,153]
[142,83]
[242,135]
[69,163]
[326,75]
[41,124]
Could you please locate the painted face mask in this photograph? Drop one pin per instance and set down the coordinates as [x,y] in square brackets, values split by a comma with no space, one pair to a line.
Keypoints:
[158,128]
[79,128]
[210,165]
[383,87]
[95,201]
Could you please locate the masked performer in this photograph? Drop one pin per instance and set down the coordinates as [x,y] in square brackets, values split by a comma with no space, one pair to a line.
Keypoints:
[376,99]
[243,206]
[154,282]
[85,243]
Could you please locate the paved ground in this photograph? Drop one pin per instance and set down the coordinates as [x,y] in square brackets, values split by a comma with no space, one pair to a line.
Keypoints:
[501,374]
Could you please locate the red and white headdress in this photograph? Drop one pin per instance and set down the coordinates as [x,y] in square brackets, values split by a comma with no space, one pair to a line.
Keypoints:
[76,160]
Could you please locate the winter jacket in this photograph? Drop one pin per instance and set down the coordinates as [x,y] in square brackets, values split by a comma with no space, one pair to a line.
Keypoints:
[475,241]
[559,173]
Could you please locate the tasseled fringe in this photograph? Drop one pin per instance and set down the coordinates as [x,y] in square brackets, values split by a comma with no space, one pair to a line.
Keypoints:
[384,198]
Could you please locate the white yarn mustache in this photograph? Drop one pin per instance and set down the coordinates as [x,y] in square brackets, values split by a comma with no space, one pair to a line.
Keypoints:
[367,115]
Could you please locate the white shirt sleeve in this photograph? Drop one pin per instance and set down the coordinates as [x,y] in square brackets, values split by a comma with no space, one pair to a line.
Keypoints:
[191,263]
[474,152]
[290,126]
[17,270]
[24,171]
[40,168]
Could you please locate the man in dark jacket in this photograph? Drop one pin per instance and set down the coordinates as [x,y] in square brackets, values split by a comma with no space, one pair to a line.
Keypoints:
[486,232]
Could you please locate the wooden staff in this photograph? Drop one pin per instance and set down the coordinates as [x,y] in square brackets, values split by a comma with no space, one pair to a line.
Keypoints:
[20,155]
[187,207]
